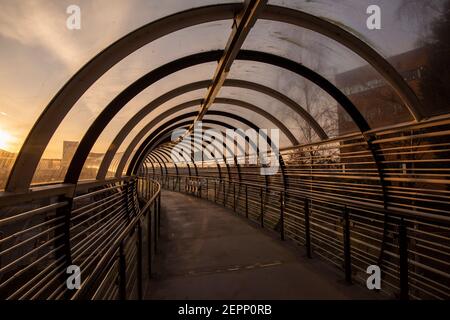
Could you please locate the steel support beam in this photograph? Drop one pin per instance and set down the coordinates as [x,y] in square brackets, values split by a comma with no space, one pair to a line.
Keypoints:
[34,146]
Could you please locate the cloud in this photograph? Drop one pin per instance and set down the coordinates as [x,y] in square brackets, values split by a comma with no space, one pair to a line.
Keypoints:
[40,23]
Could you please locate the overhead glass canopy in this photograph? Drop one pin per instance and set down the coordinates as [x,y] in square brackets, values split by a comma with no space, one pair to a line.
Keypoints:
[39,55]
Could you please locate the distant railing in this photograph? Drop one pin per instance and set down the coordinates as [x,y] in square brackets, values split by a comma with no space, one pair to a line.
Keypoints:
[347,234]
[107,229]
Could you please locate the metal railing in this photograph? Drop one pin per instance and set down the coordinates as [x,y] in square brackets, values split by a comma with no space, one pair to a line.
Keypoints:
[392,184]
[346,234]
[108,229]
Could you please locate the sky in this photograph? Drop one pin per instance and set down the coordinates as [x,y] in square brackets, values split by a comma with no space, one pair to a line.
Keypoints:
[38,54]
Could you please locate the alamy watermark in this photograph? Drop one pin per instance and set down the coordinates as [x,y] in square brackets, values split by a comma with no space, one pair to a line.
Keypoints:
[73,21]
[74,279]
[242,146]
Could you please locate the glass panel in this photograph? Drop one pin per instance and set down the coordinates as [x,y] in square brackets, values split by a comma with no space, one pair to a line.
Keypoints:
[313,99]
[291,119]
[39,54]
[347,71]
[139,127]
[113,166]
[173,81]
[413,36]
[210,36]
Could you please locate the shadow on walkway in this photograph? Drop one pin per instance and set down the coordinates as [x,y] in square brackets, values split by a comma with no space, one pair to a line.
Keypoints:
[208,252]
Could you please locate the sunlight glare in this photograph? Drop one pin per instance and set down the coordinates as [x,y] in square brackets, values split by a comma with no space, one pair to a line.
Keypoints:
[5,139]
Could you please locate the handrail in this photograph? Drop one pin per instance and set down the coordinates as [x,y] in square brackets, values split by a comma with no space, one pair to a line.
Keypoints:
[116,245]
[343,231]
[351,204]
[65,227]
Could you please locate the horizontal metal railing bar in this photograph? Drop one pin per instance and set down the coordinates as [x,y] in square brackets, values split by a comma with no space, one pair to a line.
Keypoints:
[49,190]
[35,193]
[7,238]
[352,204]
[118,239]
[31,213]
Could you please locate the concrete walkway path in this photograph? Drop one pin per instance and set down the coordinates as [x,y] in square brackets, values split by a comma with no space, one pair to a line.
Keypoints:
[208,252]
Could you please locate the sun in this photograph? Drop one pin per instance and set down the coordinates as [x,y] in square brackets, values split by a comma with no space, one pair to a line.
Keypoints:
[5,139]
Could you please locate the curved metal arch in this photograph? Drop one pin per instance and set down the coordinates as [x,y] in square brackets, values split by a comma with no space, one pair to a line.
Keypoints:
[152,137]
[166,152]
[165,148]
[160,166]
[169,158]
[352,42]
[168,131]
[168,113]
[44,128]
[223,114]
[305,72]
[195,86]
[197,141]
[80,156]
[280,125]
[162,161]
[138,159]
[165,132]
[194,139]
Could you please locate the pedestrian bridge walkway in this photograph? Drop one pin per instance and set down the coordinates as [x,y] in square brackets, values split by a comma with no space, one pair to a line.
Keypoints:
[209,252]
[293,150]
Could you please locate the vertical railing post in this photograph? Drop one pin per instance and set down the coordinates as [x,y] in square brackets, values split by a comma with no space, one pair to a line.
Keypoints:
[207,189]
[347,245]
[127,200]
[149,241]
[246,201]
[234,196]
[403,252]
[139,262]
[224,195]
[282,202]
[261,198]
[307,229]
[122,272]
[155,225]
[159,214]
[215,191]
[63,242]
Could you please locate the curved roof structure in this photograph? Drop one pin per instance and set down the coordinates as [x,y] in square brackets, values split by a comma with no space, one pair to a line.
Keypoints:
[290,17]
[343,108]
